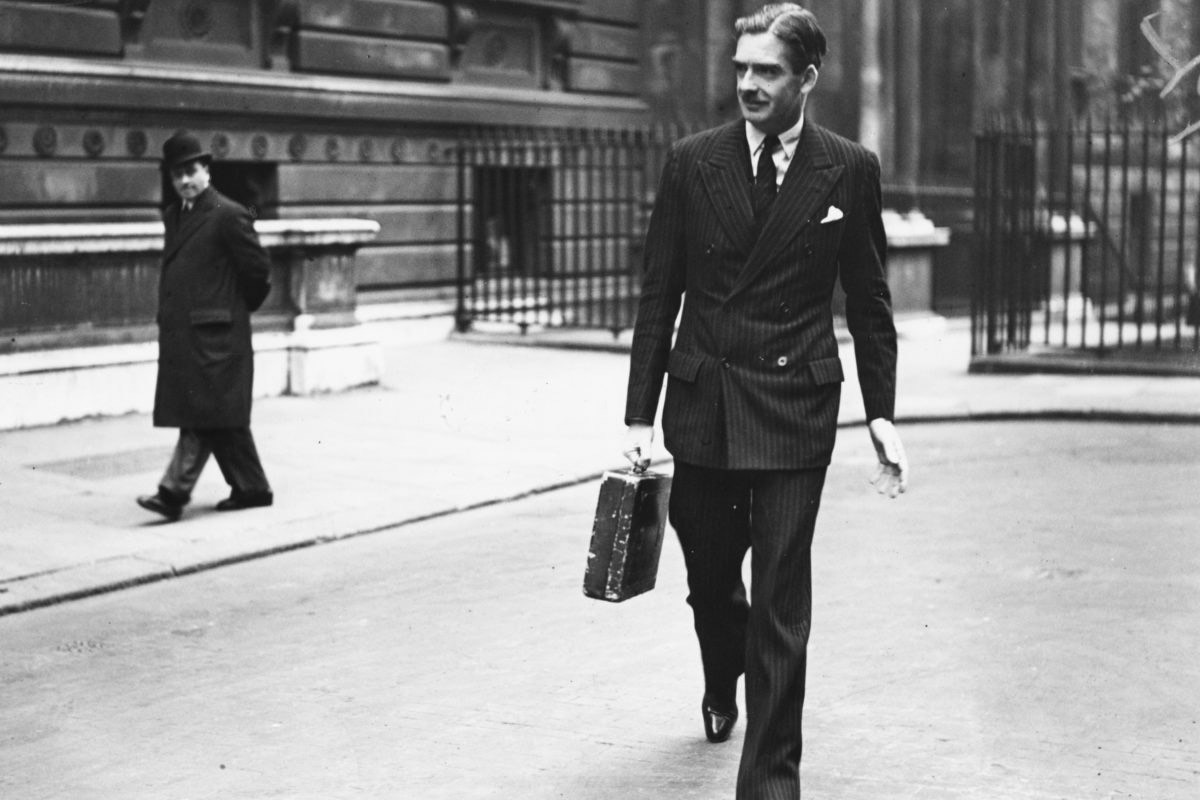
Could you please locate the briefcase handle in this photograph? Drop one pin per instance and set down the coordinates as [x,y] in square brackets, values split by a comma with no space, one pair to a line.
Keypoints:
[636,467]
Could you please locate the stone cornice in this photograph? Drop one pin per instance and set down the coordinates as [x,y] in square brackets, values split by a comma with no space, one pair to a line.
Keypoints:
[48,82]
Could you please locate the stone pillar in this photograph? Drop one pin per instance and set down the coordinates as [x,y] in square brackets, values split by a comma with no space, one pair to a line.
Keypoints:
[873,116]
[722,103]
[1100,20]
[908,110]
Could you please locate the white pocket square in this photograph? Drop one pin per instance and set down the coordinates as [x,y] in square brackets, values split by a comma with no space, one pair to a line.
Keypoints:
[832,215]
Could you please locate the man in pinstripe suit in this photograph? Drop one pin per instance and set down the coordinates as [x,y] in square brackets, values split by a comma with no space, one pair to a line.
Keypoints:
[754,222]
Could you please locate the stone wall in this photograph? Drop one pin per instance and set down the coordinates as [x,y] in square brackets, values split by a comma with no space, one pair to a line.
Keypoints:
[311,107]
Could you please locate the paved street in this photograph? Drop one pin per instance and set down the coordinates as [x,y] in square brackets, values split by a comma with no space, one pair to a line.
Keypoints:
[1020,625]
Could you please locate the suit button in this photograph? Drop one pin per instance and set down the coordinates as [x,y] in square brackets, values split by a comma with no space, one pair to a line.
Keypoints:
[782,361]
[784,308]
[725,363]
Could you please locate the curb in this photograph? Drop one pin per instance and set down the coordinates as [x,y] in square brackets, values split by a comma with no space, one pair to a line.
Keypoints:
[170,572]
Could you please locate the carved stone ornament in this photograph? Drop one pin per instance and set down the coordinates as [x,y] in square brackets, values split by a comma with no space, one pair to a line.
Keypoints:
[196,19]
[45,141]
[136,143]
[366,150]
[259,146]
[93,143]
[333,148]
[220,145]
[496,47]
[297,145]
[3,140]
[398,150]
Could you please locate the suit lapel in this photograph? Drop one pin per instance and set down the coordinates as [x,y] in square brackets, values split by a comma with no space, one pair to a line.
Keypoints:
[184,224]
[809,180]
[726,175]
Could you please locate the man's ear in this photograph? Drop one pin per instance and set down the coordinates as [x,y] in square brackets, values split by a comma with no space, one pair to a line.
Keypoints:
[809,79]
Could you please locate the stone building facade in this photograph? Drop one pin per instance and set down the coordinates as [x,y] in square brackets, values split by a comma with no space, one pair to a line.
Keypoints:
[320,109]
[313,108]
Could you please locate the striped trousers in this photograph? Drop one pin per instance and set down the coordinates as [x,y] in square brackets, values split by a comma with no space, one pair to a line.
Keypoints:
[719,515]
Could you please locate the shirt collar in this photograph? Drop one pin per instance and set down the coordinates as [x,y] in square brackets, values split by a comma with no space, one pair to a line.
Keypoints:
[195,201]
[789,138]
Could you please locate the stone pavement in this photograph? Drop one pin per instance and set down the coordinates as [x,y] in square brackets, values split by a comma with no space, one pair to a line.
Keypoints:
[1020,626]
[459,423]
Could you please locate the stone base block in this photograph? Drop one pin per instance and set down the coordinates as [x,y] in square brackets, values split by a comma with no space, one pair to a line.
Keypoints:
[52,386]
[45,387]
[333,359]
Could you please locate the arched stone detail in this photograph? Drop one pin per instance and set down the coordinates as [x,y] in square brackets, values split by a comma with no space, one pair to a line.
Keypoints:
[93,143]
[297,146]
[45,141]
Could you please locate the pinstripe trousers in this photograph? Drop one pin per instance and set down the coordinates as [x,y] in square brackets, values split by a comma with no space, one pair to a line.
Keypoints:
[719,515]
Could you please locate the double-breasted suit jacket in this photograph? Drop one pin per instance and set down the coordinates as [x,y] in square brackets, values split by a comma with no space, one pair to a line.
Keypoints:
[214,273]
[754,374]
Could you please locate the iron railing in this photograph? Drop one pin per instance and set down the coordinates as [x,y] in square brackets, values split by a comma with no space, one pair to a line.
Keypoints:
[550,224]
[1087,240]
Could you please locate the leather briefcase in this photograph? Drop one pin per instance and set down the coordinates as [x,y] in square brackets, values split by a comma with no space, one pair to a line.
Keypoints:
[627,535]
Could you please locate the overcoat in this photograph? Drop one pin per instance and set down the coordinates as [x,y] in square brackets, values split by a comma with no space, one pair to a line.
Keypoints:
[754,376]
[214,273]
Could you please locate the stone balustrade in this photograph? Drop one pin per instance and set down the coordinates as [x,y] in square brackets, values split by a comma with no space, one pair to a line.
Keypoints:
[78,303]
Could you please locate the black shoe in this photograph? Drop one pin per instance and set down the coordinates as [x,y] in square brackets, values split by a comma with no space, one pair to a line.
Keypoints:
[237,501]
[718,721]
[161,505]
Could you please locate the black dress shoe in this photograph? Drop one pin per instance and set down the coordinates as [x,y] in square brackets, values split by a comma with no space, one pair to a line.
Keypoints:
[238,501]
[161,505]
[718,722]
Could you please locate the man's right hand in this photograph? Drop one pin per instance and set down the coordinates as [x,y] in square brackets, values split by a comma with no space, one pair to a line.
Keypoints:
[638,440]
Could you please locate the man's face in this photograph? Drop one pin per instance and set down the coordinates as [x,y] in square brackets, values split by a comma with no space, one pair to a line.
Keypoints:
[770,93]
[190,179]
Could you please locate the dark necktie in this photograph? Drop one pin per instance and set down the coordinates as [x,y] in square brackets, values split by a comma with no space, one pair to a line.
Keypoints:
[764,180]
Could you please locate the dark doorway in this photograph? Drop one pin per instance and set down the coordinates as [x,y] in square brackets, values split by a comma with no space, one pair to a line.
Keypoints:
[512,207]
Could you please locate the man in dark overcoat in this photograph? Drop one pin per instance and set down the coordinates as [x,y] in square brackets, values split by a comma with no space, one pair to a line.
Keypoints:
[754,223]
[214,273]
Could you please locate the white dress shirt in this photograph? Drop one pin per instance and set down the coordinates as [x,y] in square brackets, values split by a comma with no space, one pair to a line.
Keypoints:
[783,156]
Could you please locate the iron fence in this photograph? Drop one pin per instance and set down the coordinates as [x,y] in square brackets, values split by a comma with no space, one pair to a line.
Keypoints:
[1087,240]
[550,224]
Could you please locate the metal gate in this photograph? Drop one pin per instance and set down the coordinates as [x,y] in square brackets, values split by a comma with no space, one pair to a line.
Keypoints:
[1087,239]
[550,224]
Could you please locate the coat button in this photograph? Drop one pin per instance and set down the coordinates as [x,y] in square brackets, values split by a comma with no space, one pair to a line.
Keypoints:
[784,308]
[725,363]
[782,361]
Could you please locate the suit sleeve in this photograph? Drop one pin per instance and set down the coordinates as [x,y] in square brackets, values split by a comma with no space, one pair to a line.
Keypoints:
[663,281]
[248,257]
[868,299]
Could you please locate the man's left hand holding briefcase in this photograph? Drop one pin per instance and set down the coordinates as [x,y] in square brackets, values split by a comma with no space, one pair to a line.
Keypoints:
[627,535]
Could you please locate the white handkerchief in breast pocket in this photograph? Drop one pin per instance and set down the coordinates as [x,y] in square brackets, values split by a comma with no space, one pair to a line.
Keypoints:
[832,215]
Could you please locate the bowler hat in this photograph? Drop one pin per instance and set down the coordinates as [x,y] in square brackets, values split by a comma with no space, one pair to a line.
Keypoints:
[181,148]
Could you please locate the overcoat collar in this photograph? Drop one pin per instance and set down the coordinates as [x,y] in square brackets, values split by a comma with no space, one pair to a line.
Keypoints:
[180,227]
[727,177]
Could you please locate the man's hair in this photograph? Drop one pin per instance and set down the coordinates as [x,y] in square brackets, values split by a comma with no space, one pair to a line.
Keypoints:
[794,25]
